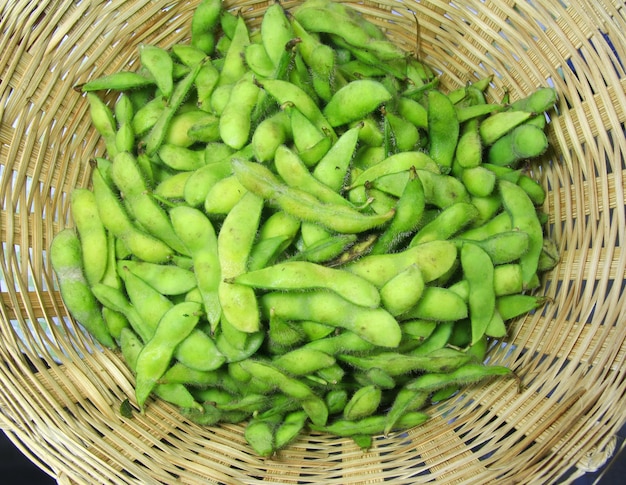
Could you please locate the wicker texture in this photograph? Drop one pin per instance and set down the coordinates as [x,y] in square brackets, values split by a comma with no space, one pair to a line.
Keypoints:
[60,396]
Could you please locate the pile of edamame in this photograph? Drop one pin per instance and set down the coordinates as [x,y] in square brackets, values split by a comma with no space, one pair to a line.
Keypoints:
[296,228]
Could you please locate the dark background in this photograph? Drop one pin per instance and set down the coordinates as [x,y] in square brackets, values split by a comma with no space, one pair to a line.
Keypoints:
[16,469]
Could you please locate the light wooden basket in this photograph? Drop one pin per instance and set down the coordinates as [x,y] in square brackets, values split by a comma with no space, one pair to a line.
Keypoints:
[60,394]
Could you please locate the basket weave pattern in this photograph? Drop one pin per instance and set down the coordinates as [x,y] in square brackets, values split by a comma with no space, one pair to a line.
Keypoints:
[60,394]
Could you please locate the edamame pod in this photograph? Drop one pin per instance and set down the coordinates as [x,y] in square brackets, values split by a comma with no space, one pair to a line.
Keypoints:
[286,92]
[198,234]
[364,402]
[433,259]
[371,425]
[269,134]
[354,101]
[523,142]
[399,162]
[446,224]
[154,358]
[234,242]
[299,275]
[467,374]
[479,272]
[118,81]
[313,405]
[303,361]
[235,120]
[223,196]
[167,279]
[499,124]
[372,324]
[147,212]
[292,169]
[403,291]
[408,216]
[262,182]
[438,304]
[443,129]
[332,169]
[524,218]
[92,234]
[160,65]
[116,220]
[67,262]
[103,121]
[158,132]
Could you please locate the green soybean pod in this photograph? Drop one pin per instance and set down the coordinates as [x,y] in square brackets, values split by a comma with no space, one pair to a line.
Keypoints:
[287,92]
[438,304]
[406,400]
[67,262]
[292,425]
[446,224]
[259,433]
[313,405]
[303,360]
[533,189]
[403,291]
[167,279]
[503,247]
[512,306]
[149,304]
[345,342]
[158,132]
[198,351]
[433,258]
[408,216]
[91,232]
[235,119]
[330,248]
[332,169]
[116,300]
[501,222]
[479,271]
[499,124]
[198,234]
[397,364]
[160,64]
[364,402]
[300,275]
[375,325]
[438,339]
[443,129]
[276,31]
[524,218]
[469,150]
[371,425]
[117,221]
[398,162]
[118,81]
[479,181]
[223,196]
[292,169]
[234,243]
[204,23]
[154,358]
[103,121]
[127,176]
[262,182]
[175,393]
[234,66]
[467,374]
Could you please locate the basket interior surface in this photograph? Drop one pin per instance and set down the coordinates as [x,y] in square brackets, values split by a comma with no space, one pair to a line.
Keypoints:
[60,393]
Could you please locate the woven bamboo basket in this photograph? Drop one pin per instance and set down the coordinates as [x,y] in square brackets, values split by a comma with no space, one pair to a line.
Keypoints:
[60,394]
